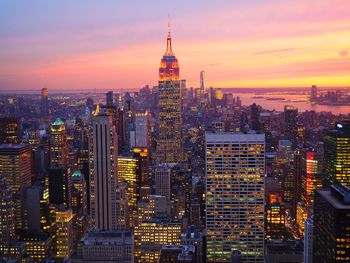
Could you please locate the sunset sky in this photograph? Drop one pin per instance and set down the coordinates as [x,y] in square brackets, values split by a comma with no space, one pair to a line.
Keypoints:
[85,44]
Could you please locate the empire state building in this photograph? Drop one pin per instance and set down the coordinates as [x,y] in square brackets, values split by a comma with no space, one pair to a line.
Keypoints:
[169,149]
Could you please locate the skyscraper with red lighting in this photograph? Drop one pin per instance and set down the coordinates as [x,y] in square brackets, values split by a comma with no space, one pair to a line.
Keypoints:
[169,148]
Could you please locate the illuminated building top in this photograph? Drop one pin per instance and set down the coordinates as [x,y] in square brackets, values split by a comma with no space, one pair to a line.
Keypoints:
[58,125]
[169,66]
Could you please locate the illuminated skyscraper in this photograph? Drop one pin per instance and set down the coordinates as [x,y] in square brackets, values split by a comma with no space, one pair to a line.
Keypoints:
[129,174]
[10,130]
[16,168]
[79,194]
[235,169]
[64,233]
[15,165]
[312,175]
[58,144]
[7,218]
[103,172]
[275,216]
[169,148]
[337,154]
[142,155]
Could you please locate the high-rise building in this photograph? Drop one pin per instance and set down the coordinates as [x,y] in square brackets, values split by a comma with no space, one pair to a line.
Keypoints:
[142,130]
[275,216]
[103,172]
[60,186]
[308,242]
[58,144]
[337,154]
[162,175]
[255,112]
[7,218]
[129,174]
[184,94]
[169,148]
[10,130]
[290,124]
[79,194]
[151,235]
[331,242]
[44,107]
[312,175]
[202,84]
[16,169]
[31,198]
[142,156]
[235,169]
[64,234]
[16,165]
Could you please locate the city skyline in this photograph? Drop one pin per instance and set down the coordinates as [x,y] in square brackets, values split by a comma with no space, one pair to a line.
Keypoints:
[256,44]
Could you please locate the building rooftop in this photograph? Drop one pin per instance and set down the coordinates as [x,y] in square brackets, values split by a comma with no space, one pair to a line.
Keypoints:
[12,146]
[186,252]
[107,238]
[285,246]
[77,173]
[58,122]
[236,137]
[338,196]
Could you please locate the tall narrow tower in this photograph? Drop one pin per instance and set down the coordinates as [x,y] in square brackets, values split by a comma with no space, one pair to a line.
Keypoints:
[169,148]
[103,173]
[58,144]
[201,79]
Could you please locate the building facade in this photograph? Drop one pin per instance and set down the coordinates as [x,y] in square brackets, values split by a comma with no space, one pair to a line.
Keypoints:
[103,172]
[162,175]
[337,154]
[331,242]
[58,144]
[235,169]
[169,148]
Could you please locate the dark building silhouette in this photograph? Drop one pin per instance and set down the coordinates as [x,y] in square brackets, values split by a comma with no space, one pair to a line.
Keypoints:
[290,124]
[60,186]
[332,225]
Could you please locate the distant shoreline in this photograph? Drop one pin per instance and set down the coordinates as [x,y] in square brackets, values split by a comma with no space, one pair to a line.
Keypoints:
[99,91]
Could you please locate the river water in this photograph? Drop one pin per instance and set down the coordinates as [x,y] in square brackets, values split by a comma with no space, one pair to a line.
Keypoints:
[301,101]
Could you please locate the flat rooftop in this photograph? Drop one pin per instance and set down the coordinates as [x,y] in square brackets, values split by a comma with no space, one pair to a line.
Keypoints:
[333,200]
[12,146]
[227,137]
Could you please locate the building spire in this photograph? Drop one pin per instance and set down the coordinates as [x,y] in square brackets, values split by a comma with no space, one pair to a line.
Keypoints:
[168,44]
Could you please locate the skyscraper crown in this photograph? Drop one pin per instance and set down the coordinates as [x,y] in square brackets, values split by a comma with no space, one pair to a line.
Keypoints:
[169,66]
